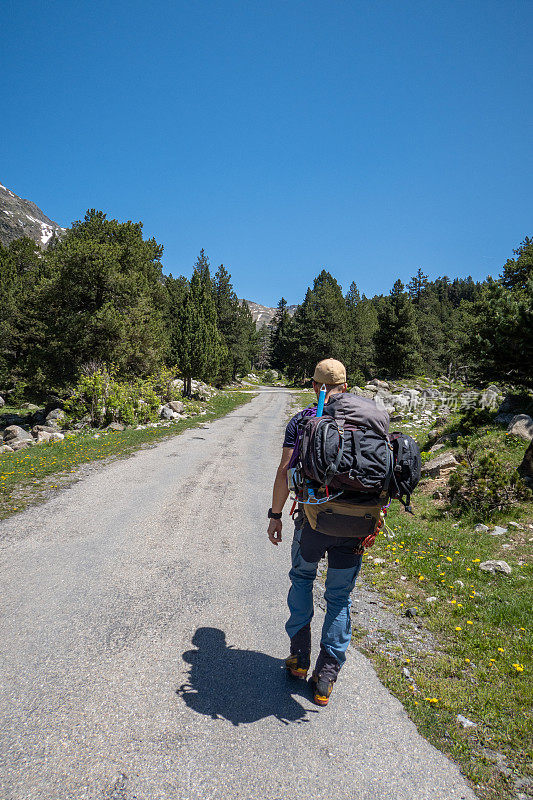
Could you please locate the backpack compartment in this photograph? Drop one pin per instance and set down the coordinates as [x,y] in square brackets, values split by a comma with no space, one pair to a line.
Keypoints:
[407,465]
[337,518]
[354,459]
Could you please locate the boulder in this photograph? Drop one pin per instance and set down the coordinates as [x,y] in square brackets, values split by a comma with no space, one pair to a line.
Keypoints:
[440,466]
[15,433]
[378,383]
[20,444]
[521,425]
[43,429]
[177,406]
[495,566]
[526,467]
[167,413]
[30,407]
[43,436]
[436,447]
[371,388]
[362,392]
[56,437]
[2,402]
[57,414]
[116,426]
[5,448]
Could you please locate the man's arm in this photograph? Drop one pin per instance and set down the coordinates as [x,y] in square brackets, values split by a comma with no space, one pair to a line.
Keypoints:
[279,495]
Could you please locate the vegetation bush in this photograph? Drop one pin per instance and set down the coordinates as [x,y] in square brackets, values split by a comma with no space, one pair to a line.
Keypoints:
[269,377]
[105,399]
[484,485]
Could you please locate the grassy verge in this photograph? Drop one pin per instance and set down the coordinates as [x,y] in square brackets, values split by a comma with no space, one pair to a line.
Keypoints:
[29,475]
[478,662]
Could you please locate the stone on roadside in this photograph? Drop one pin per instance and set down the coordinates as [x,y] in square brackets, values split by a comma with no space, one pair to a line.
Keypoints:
[30,407]
[20,444]
[465,722]
[43,429]
[116,426]
[167,413]
[439,466]
[57,413]
[495,566]
[15,433]
[521,425]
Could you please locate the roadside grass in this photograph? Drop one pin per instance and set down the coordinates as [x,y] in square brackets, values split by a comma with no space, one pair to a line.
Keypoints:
[29,475]
[481,666]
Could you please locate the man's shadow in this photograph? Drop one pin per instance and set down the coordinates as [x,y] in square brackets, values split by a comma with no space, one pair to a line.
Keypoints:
[241,686]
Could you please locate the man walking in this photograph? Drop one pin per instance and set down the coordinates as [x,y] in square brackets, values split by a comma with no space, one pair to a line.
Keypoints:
[308,547]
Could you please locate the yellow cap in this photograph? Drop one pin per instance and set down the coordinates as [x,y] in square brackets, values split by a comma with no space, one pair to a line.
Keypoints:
[330,371]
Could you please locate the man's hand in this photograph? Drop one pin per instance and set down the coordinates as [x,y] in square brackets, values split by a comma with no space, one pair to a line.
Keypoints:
[274,531]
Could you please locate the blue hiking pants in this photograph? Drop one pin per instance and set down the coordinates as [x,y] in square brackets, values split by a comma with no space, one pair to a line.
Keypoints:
[308,547]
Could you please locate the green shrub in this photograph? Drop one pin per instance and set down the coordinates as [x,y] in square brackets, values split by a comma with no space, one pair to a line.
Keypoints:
[475,418]
[484,485]
[106,399]
[269,377]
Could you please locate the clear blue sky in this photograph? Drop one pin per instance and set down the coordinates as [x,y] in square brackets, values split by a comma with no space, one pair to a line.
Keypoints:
[369,138]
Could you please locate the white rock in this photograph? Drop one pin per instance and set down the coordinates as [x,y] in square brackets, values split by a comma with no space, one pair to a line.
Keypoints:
[56,437]
[465,722]
[521,425]
[481,528]
[431,599]
[441,465]
[459,583]
[516,525]
[498,531]
[5,448]
[495,566]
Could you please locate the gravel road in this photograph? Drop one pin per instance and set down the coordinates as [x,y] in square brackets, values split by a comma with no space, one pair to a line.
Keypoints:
[142,643]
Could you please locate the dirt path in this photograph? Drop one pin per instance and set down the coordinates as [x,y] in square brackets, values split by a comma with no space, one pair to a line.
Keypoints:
[142,637]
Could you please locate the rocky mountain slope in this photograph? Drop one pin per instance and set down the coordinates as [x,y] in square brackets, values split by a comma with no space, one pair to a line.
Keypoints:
[20,217]
[262,315]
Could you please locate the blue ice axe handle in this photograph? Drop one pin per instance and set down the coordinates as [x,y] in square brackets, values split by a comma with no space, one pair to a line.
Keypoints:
[321,400]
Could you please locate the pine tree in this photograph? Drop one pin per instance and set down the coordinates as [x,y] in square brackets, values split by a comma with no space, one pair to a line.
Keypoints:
[396,339]
[104,297]
[236,327]
[280,337]
[320,327]
[518,271]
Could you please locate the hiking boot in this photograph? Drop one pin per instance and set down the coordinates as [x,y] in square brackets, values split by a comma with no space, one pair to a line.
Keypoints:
[299,661]
[324,676]
[298,665]
[322,688]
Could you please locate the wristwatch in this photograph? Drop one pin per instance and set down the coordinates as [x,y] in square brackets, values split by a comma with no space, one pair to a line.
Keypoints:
[272,515]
